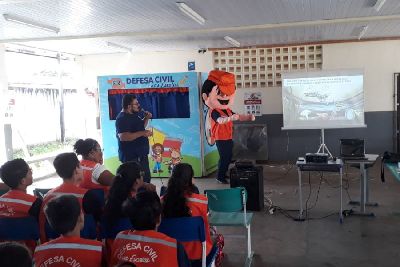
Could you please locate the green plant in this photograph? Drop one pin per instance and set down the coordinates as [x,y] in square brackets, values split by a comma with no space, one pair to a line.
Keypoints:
[43,148]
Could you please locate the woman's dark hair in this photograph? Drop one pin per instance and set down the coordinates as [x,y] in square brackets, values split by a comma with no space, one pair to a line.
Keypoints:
[180,184]
[84,147]
[120,190]
[144,211]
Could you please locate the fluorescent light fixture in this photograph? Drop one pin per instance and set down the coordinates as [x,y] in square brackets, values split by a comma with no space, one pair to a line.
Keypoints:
[191,13]
[114,45]
[361,32]
[232,41]
[378,4]
[30,23]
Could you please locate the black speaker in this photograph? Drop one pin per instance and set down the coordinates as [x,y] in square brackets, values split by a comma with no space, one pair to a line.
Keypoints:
[250,178]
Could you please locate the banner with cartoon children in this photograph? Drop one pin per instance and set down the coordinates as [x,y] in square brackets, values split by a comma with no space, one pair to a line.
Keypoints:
[174,101]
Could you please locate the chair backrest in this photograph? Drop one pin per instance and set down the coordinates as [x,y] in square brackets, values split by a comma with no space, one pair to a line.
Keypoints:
[25,228]
[227,200]
[185,229]
[40,192]
[111,232]
[3,191]
[89,230]
[99,194]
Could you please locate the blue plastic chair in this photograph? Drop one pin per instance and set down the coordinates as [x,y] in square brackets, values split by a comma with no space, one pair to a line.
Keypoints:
[228,208]
[89,230]
[18,229]
[111,232]
[99,193]
[3,191]
[186,229]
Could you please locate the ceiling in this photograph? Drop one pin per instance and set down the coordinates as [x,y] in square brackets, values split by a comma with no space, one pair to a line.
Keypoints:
[158,25]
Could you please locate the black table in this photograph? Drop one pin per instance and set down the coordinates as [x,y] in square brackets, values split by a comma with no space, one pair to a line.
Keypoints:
[330,166]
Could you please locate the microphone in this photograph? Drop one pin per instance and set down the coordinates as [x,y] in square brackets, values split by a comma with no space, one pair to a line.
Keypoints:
[142,114]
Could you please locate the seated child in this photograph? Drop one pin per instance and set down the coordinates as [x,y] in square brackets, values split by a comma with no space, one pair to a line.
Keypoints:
[182,200]
[16,203]
[68,168]
[65,217]
[125,185]
[144,246]
[95,174]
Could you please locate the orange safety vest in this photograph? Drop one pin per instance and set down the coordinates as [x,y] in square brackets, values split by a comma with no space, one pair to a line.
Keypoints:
[198,205]
[222,131]
[63,189]
[69,251]
[16,204]
[145,248]
[87,183]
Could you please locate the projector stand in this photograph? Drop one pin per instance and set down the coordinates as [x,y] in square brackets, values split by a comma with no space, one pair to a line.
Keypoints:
[323,146]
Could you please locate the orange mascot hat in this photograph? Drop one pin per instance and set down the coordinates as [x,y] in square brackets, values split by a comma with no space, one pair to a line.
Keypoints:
[224,80]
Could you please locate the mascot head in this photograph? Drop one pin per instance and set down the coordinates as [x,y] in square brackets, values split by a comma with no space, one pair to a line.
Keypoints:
[218,90]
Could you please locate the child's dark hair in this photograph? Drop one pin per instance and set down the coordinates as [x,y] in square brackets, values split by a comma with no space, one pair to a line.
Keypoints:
[120,190]
[62,213]
[65,164]
[13,171]
[179,184]
[13,254]
[84,147]
[144,211]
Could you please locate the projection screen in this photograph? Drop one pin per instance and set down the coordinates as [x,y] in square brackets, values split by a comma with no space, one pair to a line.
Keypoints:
[323,99]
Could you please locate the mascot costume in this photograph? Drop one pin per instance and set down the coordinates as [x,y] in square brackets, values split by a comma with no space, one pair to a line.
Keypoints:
[218,94]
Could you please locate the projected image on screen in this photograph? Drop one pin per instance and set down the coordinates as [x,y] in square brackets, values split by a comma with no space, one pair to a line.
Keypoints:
[322,100]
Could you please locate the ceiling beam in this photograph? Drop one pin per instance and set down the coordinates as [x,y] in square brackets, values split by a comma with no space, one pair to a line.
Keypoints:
[163,34]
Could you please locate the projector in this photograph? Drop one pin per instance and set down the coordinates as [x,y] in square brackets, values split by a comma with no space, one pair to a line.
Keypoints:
[316,158]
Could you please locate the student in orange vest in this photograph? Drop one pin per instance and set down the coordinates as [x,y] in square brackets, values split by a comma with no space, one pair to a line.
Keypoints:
[181,201]
[16,203]
[218,93]
[127,182]
[65,217]
[68,168]
[144,246]
[95,174]
[13,254]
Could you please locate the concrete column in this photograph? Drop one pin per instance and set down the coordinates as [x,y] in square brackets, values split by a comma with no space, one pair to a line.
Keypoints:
[3,103]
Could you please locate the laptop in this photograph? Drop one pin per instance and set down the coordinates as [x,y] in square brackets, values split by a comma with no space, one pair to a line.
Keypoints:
[352,149]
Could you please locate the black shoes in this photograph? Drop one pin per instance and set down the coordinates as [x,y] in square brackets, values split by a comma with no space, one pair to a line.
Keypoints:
[222,180]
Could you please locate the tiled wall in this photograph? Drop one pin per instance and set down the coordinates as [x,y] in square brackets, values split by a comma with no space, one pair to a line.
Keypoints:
[262,67]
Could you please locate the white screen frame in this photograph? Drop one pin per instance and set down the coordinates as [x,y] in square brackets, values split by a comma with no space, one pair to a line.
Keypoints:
[321,124]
